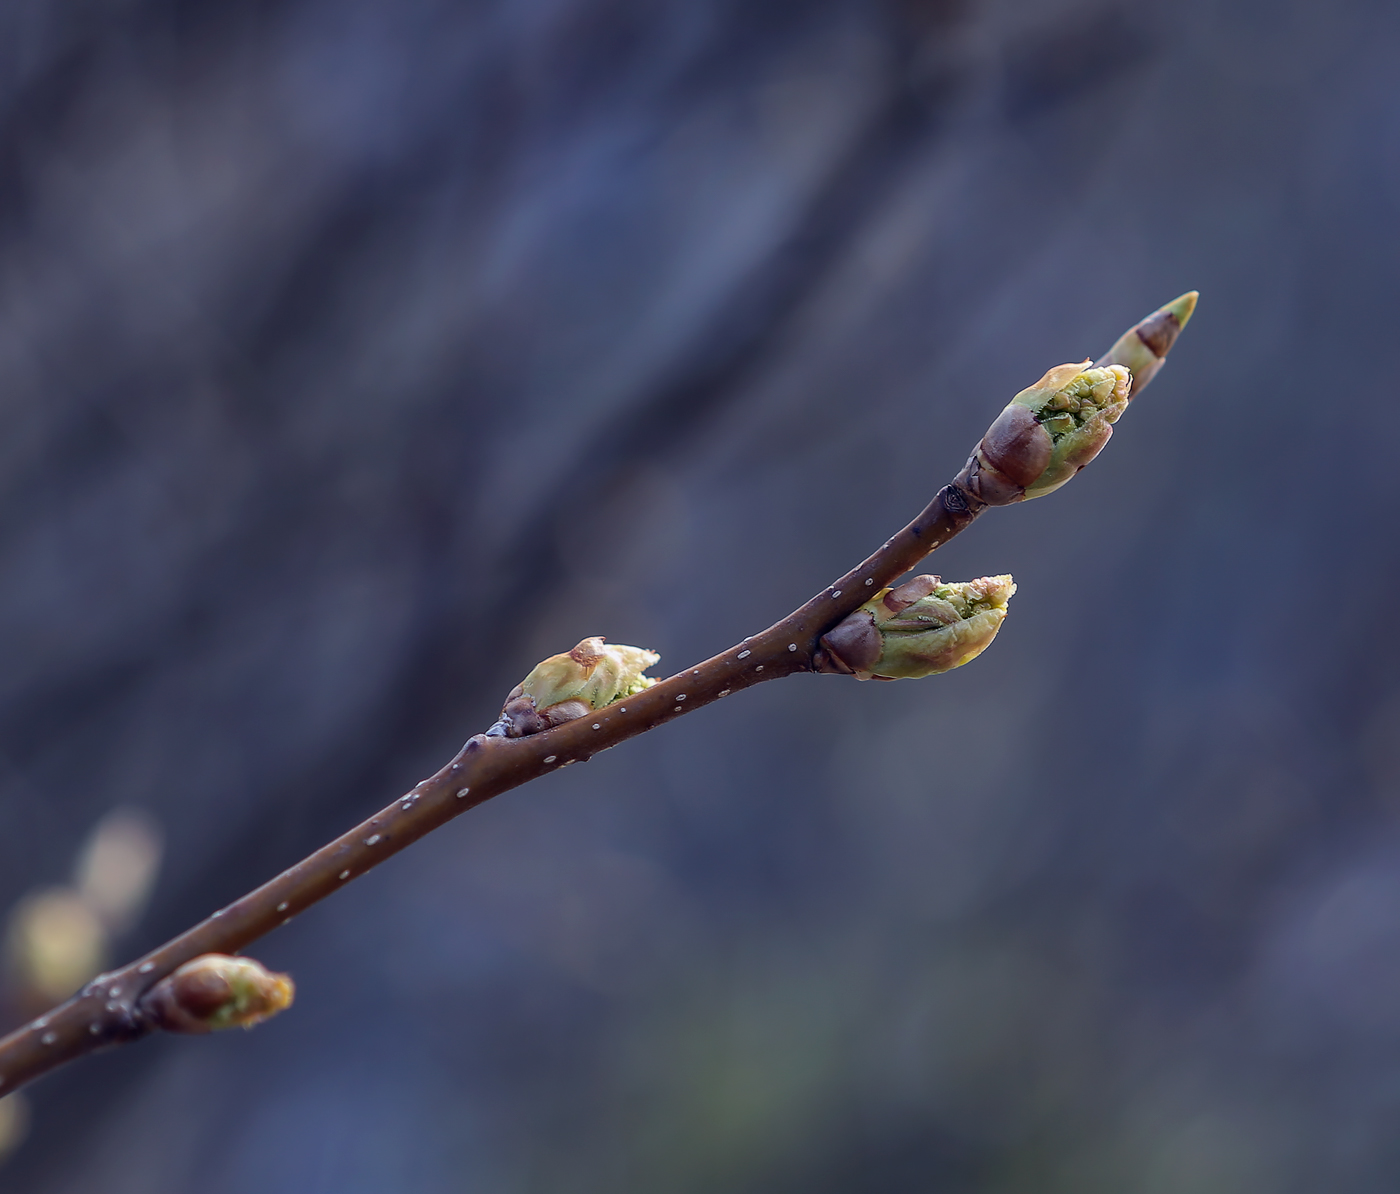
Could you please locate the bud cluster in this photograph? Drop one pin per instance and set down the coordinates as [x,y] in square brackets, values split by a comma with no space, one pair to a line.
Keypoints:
[1047,433]
[921,628]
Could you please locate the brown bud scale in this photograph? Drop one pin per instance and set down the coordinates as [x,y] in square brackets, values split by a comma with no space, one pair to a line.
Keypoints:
[1017,446]
[854,642]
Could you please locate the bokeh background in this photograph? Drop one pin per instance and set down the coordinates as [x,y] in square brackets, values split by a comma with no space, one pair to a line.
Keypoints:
[355,354]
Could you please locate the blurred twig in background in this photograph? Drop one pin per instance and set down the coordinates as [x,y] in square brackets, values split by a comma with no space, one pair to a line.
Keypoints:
[14,1123]
[57,938]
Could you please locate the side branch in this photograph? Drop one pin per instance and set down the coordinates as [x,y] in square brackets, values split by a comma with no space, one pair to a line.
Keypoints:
[113,1008]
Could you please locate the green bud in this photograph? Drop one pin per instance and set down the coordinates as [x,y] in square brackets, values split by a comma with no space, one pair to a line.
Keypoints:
[1052,430]
[921,628]
[217,991]
[1048,432]
[1143,349]
[567,686]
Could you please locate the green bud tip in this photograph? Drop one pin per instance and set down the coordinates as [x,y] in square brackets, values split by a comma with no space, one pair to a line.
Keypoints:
[1183,307]
[216,991]
[1143,348]
[921,628]
[570,685]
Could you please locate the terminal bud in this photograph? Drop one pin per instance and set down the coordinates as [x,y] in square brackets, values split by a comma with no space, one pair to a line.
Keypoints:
[1143,348]
[1053,429]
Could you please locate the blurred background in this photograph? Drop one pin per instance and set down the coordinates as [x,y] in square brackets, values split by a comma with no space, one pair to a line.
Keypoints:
[356,354]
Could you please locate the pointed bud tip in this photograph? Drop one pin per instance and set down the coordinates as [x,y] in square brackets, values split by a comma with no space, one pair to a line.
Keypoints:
[1143,347]
[1183,306]
[1160,329]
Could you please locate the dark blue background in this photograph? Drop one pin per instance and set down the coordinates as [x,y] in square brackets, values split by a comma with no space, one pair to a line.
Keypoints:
[355,354]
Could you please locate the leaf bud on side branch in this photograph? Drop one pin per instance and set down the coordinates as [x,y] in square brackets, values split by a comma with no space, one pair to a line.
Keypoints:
[217,991]
[567,686]
[921,628]
[1051,430]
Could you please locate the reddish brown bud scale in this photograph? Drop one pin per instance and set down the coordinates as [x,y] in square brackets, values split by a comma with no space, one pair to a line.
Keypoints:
[988,484]
[200,993]
[1017,446]
[1159,332]
[588,653]
[903,596]
[853,645]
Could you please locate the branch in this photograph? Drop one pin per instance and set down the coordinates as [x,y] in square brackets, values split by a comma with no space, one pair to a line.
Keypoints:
[1042,439]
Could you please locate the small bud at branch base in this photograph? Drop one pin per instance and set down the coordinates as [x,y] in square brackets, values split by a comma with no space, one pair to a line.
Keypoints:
[217,991]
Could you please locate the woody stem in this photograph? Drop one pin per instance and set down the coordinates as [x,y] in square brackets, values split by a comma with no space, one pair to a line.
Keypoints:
[109,1009]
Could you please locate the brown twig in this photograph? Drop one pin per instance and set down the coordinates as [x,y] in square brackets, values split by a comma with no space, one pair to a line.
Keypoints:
[109,1009]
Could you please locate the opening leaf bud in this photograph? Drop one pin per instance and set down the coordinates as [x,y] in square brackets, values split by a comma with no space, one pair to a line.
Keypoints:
[567,686]
[921,628]
[1048,432]
[217,991]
